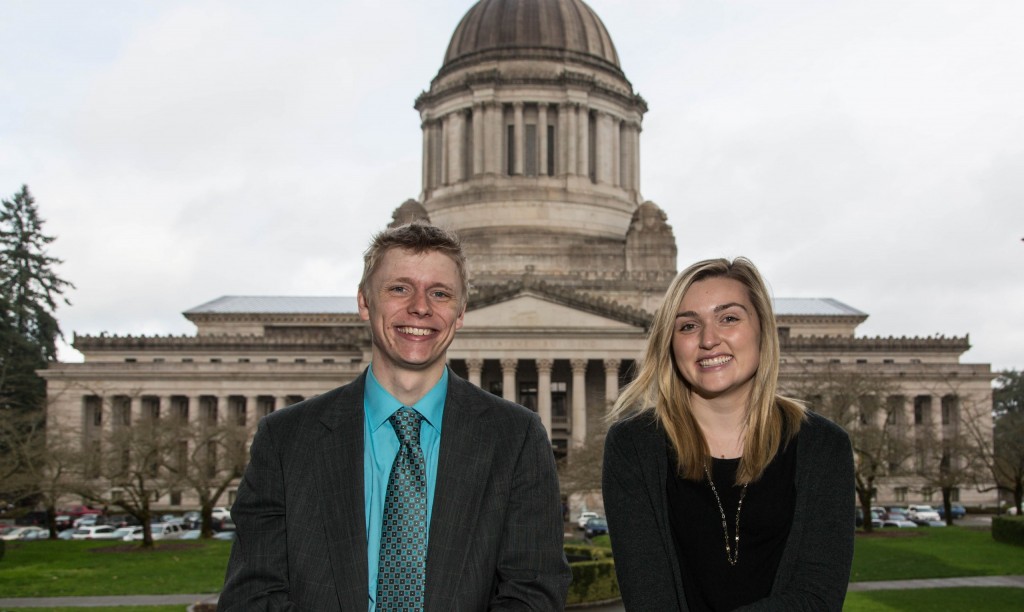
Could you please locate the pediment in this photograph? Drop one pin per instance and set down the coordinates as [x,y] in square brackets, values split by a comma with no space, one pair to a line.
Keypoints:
[529,311]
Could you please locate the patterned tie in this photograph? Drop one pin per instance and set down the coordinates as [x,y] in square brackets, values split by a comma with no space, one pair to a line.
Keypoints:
[403,540]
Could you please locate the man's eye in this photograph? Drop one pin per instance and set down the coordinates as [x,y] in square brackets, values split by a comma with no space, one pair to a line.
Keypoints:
[441,295]
[396,289]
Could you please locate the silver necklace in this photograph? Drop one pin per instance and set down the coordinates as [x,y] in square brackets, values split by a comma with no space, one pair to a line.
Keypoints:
[732,555]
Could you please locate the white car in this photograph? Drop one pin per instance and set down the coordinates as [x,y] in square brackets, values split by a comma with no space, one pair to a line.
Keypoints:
[922,514]
[94,532]
[165,531]
[221,514]
[128,534]
[586,516]
[26,533]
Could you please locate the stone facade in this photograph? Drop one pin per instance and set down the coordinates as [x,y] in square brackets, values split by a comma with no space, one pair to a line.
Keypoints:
[531,153]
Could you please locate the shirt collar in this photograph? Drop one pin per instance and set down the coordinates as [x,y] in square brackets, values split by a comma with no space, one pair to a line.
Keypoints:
[380,404]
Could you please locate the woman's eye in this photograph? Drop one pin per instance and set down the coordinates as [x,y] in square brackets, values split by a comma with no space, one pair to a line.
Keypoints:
[685,327]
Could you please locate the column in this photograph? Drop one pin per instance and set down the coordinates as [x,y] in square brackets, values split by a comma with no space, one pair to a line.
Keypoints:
[579,402]
[542,139]
[519,167]
[280,401]
[223,409]
[443,131]
[252,403]
[616,152]
[544,393]
[455,137]
[493,137]
[583,140]
[603,148]
[567,138]
[425,129]
[475,367]
[478,138]
[611,382]
[508,379]
[163,404]
[134,410]
[194,405]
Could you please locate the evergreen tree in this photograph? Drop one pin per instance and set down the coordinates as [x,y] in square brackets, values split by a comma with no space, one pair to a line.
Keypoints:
[30,290]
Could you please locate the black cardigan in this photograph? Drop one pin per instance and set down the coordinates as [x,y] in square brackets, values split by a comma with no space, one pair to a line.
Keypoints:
[815,566]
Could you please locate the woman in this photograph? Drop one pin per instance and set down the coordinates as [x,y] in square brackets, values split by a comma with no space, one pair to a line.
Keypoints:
[705,449]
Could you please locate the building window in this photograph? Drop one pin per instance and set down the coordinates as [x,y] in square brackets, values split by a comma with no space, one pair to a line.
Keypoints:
[175,498]
[834,360]
[901,494]
[328,359]
[927,493]
[862,361]
[130,360]
[467,146]
[271,359]
[922,407]
[158,360]
[243,360]
[551,150]
[215,360]
[300,360]
[954,495]
[559,393]
[510,150]
[950,409]
[186,360]
[888,361]
[528,395]
[915,361]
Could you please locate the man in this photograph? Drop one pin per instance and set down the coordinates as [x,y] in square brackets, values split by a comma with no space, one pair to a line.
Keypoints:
[343,508]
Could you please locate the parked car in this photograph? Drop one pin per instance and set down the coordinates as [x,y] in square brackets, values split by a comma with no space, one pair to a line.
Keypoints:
[192,519]
[224,535]
[221,514]
[87,520]
[922,514]
[79,510]
[956,510]
[63,521]
[191,534]
[66,534]
[584,517]
[876,518]
[165,531]
[26,533]
[94,532]
[896,519]
[595,527]
[127,534]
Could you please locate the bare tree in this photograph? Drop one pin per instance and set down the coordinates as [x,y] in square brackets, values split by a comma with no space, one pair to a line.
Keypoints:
[122,468]
[206,459]
[868,407]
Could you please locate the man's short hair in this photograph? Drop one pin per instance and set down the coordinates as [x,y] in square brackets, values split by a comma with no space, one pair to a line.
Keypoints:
[417,238]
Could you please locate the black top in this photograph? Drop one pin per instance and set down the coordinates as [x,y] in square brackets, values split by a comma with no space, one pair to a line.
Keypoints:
[710,583]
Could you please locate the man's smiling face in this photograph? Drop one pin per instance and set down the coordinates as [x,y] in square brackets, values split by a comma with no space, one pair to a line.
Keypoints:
[413,305]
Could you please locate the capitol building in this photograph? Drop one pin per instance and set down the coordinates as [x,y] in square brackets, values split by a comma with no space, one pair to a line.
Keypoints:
[531,153]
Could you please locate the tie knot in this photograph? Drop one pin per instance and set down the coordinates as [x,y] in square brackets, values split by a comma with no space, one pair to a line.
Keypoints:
[406,422]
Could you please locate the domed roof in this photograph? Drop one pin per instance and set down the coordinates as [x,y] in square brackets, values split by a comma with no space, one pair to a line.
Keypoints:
[497,27]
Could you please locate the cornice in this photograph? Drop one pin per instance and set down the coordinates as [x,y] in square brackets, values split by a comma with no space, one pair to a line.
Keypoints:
[878,343]
[487,295]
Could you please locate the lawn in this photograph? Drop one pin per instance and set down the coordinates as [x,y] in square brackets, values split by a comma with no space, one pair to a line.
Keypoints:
[943,552]
[62,568]
[68,568]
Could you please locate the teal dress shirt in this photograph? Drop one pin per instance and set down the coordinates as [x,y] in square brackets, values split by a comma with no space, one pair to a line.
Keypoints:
[380,447]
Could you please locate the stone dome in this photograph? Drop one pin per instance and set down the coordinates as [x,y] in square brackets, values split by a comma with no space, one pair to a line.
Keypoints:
[494,29]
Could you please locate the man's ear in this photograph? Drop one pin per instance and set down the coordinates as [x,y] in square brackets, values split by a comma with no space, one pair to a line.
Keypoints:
[364,305]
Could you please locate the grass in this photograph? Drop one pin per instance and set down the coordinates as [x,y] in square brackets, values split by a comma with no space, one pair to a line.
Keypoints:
[977,599]
[69,568]
[63,568]
[101,609]
[945,552]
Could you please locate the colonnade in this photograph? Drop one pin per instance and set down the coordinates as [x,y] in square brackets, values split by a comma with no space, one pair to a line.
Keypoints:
[531,139]
[512,369]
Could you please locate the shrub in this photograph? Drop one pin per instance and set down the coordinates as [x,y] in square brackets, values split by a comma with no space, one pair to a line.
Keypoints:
[593,573]
[1008,529]
[593,581]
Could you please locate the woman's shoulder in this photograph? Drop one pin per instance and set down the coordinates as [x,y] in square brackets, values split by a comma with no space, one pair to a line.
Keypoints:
[637,426]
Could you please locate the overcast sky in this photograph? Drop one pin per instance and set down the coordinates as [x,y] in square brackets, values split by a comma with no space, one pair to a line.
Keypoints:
[871,151]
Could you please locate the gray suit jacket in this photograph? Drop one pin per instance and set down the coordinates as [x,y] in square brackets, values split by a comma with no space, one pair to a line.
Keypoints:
[815,566]
[496,529]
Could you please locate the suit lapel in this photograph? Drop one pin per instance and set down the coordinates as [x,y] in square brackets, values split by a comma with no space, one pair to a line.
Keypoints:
[464,465]
[339,479]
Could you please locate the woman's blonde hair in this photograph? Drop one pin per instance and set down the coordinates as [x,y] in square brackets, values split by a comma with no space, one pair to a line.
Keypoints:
[771,419]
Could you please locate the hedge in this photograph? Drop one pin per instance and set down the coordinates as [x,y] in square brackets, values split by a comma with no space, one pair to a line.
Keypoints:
[593,574]
[1008,529]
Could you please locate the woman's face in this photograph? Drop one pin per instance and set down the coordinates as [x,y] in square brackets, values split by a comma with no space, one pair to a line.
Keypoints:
[716,339]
